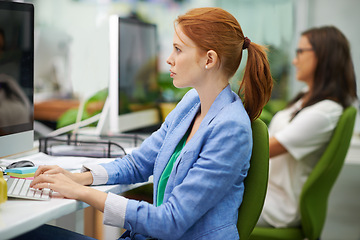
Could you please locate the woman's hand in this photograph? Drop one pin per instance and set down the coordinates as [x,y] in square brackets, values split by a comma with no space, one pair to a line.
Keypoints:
[60,182]
[81,178]
[45,169]
[69,185]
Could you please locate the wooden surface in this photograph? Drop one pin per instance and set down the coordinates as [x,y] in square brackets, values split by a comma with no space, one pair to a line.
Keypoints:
[93,223]
[51,110]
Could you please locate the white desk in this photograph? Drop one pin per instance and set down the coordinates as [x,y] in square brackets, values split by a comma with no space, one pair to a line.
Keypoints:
[19,216]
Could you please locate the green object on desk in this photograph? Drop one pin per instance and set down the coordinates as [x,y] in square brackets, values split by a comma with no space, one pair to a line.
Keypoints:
[19,175]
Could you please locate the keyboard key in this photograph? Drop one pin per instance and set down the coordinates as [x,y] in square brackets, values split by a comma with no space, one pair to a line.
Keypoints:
[31,192]
[18,186]
[25,188]
[37,193]
[11,182]
[46,193]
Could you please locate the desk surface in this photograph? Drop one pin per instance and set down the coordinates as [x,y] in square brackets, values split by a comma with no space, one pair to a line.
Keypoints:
[18,216]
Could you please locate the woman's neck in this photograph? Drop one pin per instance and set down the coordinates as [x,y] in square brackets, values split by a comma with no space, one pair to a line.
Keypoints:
[208,93]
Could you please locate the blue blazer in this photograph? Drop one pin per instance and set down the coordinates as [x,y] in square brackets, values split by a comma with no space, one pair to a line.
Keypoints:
[205,188]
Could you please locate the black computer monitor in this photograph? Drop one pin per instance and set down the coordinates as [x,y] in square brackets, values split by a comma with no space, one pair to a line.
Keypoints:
[133,87]
[16,77]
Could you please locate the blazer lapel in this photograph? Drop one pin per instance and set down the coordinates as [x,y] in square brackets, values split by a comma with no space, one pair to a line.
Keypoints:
[219,103]
[172,140]
[177,132]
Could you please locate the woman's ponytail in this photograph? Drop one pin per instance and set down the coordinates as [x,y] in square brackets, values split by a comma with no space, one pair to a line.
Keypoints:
[257,82]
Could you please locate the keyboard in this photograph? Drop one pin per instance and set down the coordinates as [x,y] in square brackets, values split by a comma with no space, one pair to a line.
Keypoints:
[20,188]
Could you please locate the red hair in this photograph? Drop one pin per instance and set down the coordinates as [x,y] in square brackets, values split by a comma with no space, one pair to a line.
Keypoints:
[216,29]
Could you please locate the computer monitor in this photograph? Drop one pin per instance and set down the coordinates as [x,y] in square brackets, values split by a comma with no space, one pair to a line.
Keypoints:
[133,86]
[16,77]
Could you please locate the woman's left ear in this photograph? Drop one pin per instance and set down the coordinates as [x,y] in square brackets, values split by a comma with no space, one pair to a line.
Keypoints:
[211,59]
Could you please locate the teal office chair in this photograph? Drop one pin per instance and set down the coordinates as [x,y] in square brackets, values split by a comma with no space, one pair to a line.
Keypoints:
[316,190]
[255,182]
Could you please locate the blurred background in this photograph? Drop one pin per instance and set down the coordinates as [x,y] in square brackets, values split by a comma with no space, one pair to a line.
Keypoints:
[72,61]
[72,38]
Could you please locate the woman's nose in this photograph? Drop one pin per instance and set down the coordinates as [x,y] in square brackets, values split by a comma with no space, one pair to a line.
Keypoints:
[170,61]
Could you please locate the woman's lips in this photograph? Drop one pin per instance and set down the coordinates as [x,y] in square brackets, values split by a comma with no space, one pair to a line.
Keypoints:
[172,74]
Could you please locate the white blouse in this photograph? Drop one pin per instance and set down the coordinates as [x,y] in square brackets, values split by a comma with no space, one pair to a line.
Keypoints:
[305,138]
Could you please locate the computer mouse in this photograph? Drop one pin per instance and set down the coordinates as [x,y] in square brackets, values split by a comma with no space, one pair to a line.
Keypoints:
[22,163]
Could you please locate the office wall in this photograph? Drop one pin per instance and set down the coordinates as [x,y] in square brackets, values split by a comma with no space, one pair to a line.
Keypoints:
[86,24]
[272,22]
[343,15]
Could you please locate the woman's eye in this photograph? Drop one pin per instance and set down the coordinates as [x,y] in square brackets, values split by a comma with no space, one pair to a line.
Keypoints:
[177,49]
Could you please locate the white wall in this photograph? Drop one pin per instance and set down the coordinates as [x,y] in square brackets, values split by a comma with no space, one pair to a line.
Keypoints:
[86,22]
[87,26]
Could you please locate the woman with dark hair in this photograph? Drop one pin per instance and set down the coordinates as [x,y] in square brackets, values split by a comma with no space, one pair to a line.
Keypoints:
[300,133]
[200,156]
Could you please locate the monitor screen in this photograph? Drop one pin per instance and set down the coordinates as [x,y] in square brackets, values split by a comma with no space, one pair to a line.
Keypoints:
[133,89]
[16,77]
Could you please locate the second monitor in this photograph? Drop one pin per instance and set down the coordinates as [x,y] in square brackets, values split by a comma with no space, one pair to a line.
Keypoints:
[133,87]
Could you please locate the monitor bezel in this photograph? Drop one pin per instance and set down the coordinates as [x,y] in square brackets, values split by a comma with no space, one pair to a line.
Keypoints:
[119,123]
[22,139]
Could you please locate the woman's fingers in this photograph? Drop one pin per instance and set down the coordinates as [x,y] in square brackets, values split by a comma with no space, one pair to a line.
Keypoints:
[45,169]
[42,178]
[42,185]
[59,183]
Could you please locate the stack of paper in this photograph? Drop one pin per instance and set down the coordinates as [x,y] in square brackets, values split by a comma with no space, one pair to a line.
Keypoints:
[24,172]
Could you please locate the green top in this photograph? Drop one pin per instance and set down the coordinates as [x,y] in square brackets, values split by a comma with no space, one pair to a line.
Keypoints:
[167,171]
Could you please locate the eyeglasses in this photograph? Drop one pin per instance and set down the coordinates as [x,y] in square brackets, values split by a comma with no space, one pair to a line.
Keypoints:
[301,50]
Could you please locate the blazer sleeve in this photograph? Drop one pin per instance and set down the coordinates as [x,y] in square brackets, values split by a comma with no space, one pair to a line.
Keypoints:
[137,166]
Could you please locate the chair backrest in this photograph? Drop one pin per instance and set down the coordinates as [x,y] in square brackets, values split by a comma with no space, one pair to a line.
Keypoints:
[316,190]
[256,181]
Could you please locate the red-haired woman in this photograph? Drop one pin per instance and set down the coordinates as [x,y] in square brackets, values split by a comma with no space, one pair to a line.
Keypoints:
[200,156]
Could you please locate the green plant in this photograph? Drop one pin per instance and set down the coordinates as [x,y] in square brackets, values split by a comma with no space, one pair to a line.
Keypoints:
[169,93]
[272,107]
[92,107]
